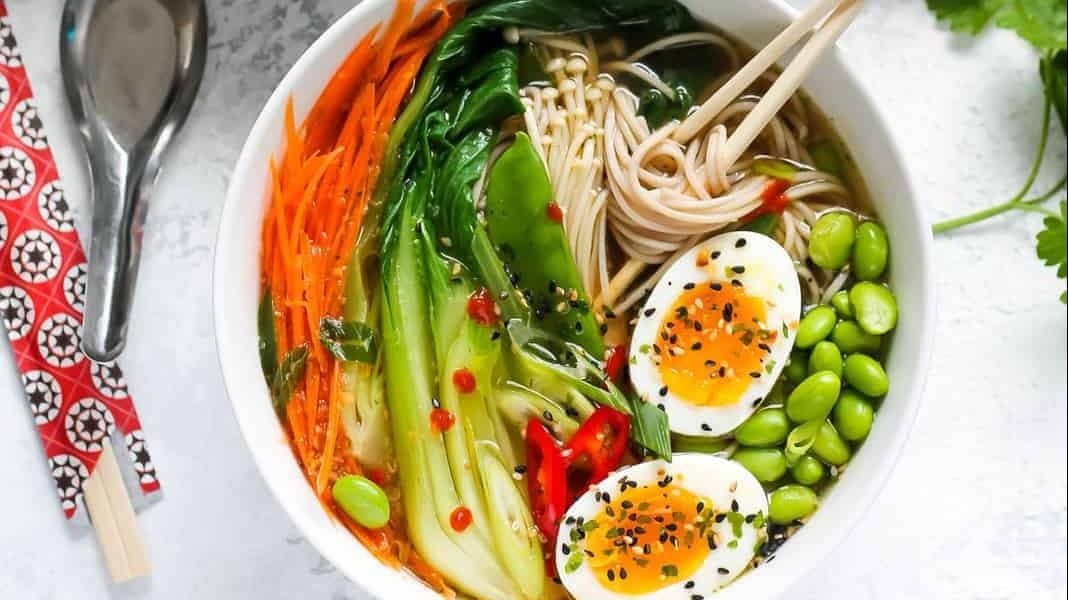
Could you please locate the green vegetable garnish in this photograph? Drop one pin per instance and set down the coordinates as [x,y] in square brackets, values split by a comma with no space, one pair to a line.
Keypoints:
[1042,23]
[348,341]
[285,379]
[268,337]
[1053,244]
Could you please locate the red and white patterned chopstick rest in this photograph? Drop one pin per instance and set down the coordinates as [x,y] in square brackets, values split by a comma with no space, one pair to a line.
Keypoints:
[75,403]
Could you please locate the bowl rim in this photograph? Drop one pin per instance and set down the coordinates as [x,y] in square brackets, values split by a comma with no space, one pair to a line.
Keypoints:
[382,581]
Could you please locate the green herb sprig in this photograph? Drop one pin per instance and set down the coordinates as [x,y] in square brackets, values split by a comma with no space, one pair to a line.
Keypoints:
[1044,24]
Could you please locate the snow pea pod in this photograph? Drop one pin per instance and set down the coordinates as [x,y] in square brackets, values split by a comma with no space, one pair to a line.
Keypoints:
[533,245]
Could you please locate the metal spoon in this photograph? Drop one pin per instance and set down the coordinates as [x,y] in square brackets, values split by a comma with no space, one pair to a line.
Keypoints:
[131,69]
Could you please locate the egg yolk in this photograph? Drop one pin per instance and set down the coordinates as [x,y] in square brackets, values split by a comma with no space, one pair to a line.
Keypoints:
[648,537]
[713,344]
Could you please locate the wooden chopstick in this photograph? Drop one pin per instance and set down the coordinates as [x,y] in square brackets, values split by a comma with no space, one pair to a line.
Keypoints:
[787,84]
[842,13]
[114,520]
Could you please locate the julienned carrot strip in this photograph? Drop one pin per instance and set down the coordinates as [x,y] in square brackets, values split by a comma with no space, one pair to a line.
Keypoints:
[297,428]
[398,24]
[435,21]
[330,109]
[311,403]
[424,17]
[317,166]
[333,421]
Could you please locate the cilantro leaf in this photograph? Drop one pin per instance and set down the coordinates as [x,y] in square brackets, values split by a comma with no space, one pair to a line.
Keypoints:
[1052,244]
[1054,70]
[1040,22]
[965,16]
[1044,23]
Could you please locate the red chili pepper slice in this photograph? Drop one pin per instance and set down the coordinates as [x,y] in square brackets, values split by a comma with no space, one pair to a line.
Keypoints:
[546,479]
[597,448]
[482,308]
[615,361]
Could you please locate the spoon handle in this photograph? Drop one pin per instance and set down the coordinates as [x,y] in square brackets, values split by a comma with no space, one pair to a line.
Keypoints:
[119,193]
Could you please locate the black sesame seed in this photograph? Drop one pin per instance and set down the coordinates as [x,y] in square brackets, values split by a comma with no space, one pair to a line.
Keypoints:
[696,346]
[754,374]
[689,286]
[728,312]
[649,312]
[720,517]
[611,574]
[603,328]
[689,585]
[520,469]
[661,407]
[723,571]
[663,391]
[565,549]
[740,243]
[739,269]
[750,518]
[706,427]
[496,335]
[734,505]
[716,286]
[715,254]
[697,326]
[736,283]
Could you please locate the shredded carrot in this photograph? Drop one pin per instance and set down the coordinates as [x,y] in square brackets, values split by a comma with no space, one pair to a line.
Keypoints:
[330,109]
[319,189]
[325,470]
[398,24]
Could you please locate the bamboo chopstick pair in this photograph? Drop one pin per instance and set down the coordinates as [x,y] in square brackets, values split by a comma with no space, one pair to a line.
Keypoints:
[113,518]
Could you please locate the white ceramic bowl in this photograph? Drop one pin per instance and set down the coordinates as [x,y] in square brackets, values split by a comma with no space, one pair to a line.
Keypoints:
[833,86]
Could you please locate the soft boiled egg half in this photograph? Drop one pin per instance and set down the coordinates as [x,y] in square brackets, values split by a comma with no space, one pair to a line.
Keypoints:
[716,332]
[660,531]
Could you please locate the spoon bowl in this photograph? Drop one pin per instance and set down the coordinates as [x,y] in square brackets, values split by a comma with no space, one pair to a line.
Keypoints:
[131,69]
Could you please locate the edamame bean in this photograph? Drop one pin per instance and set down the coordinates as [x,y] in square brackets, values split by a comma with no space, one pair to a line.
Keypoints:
[875,307]
[853,416]
[766,427]
[851,338]
[830,446]
[790,503]
[813,398]
[766,464]
[866,375]
[362,500]
[840,303]
[808,471]
[831,242]
[825,356]
[870,252]
[815,326]
[797,369]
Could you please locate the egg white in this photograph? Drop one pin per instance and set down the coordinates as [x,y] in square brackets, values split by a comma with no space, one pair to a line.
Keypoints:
[713,478]
[770,275]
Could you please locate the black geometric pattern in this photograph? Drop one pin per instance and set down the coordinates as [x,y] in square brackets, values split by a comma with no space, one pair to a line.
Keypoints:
[9,50]
[52,204]
[88,422]
[17,173]
[74,286]
[70,475]
[135,444]
[17,311]
[35,256]
[59,340]
[5,92]
[108,379]
[44,394]
[3,229]
[26,124]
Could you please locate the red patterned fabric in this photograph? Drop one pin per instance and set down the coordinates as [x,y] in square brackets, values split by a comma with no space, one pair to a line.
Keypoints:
[75,403]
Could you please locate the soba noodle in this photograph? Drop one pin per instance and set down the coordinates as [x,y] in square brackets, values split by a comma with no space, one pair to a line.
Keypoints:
[633,197]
